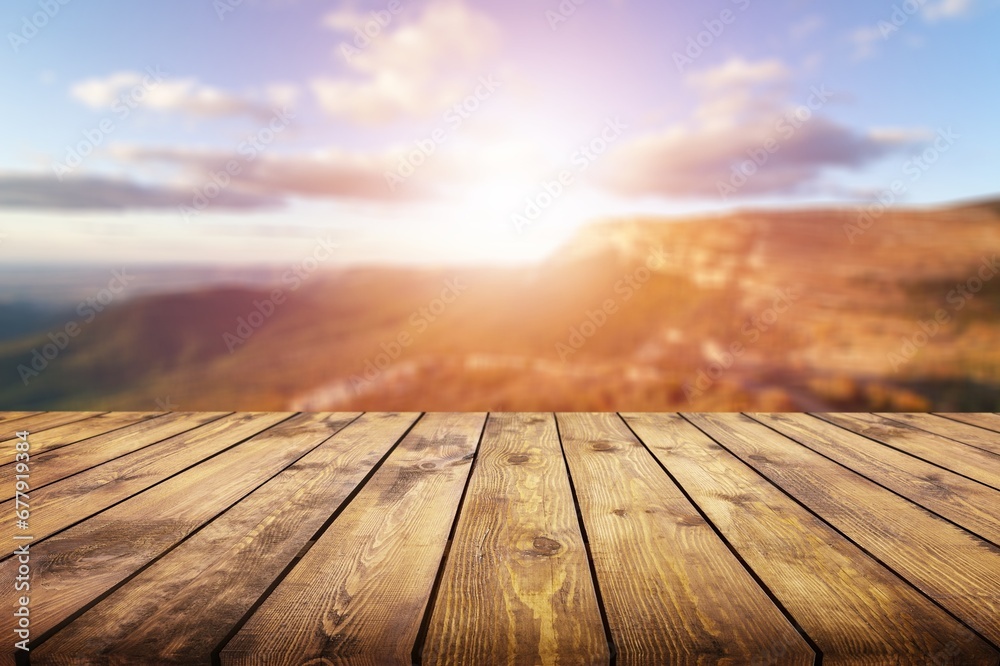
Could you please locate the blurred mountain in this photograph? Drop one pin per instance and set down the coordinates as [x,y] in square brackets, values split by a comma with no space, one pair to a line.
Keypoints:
[756,310]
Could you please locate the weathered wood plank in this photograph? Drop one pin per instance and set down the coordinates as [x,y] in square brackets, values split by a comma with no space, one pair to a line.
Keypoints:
[44,420]
[516,586]
[958,570]
[38,424]
[52,439]
[175,442]
[673,591]
[76,566]
[183,607]
[359,594]
[968,503]
[854,609]
[6,418]
[985,420]
[967,460]
[961,432]
[54,464]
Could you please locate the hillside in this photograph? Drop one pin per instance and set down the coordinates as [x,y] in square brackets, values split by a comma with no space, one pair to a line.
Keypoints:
[754,310]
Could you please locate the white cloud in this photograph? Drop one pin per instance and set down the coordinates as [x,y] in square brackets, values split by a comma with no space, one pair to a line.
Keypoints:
[282,94]
[157,92]
[945,9]
[738,72]
[345,19]
[734,122]
[327,173]
[806,27]
[409,70]
[864,39]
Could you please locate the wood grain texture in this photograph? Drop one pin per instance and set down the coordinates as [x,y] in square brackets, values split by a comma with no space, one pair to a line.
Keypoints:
[968,503]
[38,424]
[155,542]
[986,421]
[7,418]
[516,586]
[63,503]
[182,608]
[854,609]
[961,458]
[79,430]
[961,432]
[359,595]
[56,464]
[77,565]
[958,570]
[673,591]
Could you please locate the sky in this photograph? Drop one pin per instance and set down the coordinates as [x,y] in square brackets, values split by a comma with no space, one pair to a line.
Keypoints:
[466,131]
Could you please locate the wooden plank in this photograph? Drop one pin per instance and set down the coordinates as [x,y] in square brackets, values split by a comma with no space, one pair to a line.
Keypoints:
[6,418]
[968,503]
[516,586]
[961,432]
[985,420]
[184,443]
[958,570]
[673,591]
[44,421]
[53,465]
[949,454]
[74,567]
[854,609]
[182,607]
[55,438]
[359,594]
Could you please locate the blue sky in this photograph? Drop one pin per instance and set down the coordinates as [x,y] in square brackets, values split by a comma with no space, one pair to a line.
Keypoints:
[265,87]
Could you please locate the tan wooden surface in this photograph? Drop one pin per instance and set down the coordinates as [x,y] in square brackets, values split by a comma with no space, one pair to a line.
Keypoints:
[360,593]
[986,421]
[389,538]
[971,433]
[969,503]
[969,461]
[855,610]
[674,592]
[516,588]
[958,570]
[53,465]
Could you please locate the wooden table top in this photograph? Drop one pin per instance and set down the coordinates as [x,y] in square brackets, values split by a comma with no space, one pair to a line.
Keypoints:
[505,538]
